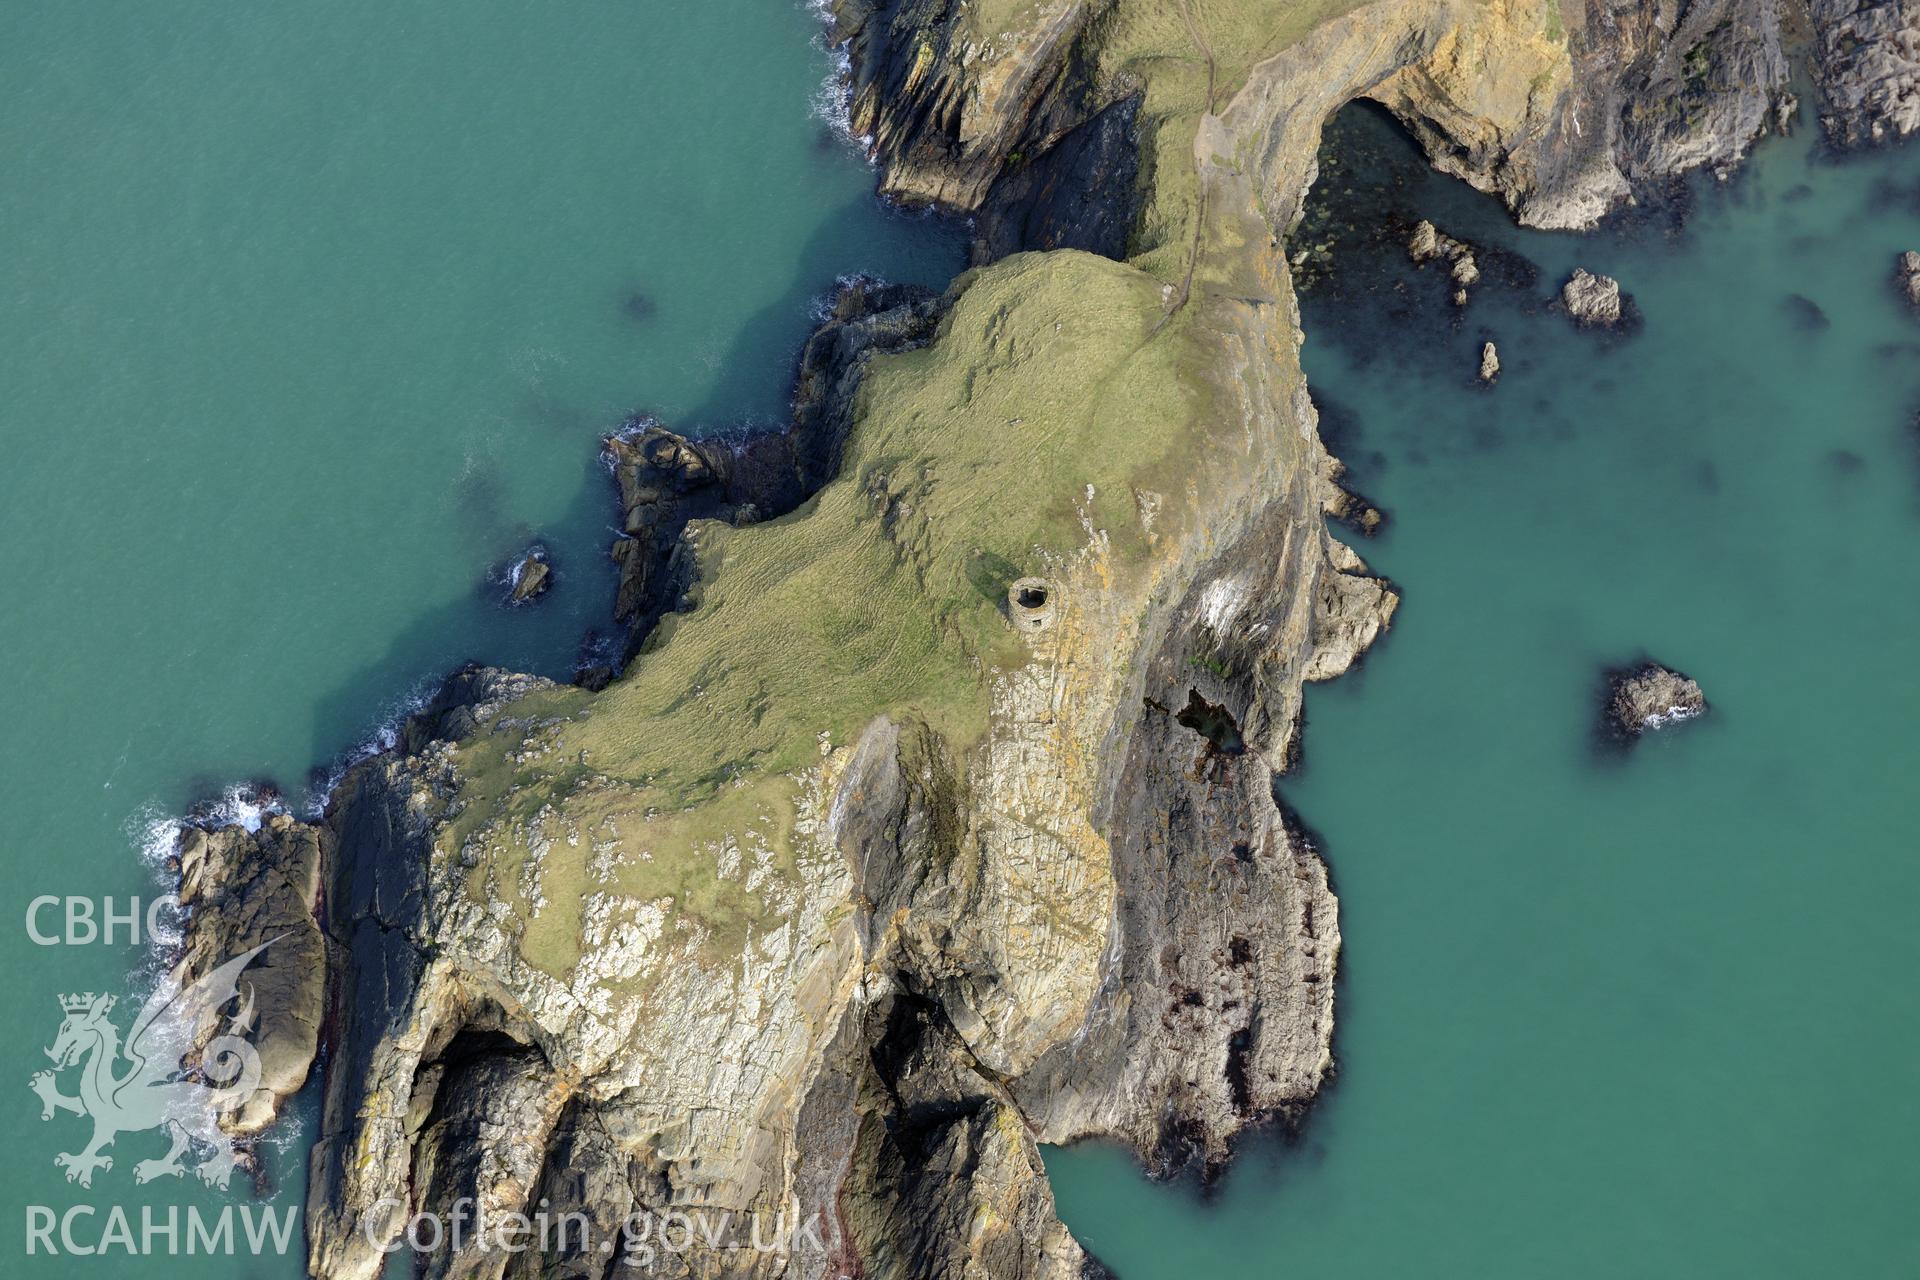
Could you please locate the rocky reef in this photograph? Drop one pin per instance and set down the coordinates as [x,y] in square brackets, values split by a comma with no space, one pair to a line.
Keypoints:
[937,813]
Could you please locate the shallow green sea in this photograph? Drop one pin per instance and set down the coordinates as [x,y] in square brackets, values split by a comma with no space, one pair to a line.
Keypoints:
[1606,1016]
[312,317]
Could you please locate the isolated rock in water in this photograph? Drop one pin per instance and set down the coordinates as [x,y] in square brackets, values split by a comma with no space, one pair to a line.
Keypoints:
[1807,315]
[530,577]
[1906,275]
[1489,363]
[1650,696]
[1592,299]
[242,889]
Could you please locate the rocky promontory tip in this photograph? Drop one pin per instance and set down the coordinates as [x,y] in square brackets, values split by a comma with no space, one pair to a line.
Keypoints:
[1647,697]
[243,889]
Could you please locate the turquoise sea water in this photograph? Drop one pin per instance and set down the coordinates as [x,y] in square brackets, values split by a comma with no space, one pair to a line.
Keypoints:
[1606,1016]
[312,317]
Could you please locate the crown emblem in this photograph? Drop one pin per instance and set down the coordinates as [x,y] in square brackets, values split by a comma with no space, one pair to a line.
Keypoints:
[82,1003]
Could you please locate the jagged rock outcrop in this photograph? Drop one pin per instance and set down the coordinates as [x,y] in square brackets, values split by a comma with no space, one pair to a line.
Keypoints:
[1428,244]
[1867,63]
[1593,301]
[1647,697]
[1489,362]
[243,889]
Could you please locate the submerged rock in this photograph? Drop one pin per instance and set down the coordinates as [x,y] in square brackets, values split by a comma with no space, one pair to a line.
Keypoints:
[1648,697]
[530,577]
[1489,363]
[1592,300]
[1906,277]
[1807,315]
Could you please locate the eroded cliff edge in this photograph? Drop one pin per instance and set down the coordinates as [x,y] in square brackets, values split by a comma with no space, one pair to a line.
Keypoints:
[936,816]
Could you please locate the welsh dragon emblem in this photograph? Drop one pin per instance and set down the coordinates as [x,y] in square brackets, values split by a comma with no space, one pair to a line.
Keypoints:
[143,1084]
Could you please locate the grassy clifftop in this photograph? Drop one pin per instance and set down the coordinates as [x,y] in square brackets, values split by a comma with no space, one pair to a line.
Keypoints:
[1059,408]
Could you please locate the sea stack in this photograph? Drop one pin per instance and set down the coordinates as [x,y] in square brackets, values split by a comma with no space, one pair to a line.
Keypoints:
[1647,697]
[1489,363]
[530,576]
[1593,301]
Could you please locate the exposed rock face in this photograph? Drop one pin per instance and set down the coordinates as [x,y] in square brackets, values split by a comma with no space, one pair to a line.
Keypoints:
[530,577]
[1648,697]
[1489,363]
[1592,300]
[1868,66]
[244,889]
[1906,277]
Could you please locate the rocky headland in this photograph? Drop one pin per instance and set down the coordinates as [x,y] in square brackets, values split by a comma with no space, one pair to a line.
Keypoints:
[937,811]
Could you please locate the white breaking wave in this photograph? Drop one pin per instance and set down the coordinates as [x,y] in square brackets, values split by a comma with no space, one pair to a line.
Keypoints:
[385,736]
[1672,715]
[833,101]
